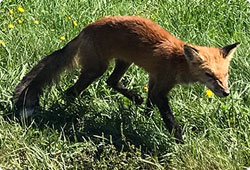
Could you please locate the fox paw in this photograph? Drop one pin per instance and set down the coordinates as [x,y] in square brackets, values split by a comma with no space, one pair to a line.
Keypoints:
[178,135]
[137,98]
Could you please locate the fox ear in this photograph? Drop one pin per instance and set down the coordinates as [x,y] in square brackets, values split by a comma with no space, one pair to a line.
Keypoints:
[192,54]
[228,50]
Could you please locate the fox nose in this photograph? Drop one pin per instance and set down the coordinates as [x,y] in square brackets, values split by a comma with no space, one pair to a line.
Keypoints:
[225,93]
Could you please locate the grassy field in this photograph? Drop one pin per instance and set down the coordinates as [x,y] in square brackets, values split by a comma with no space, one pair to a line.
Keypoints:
[102,129]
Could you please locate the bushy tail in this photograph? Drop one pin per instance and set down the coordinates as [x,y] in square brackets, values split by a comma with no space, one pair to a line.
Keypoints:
[48,69]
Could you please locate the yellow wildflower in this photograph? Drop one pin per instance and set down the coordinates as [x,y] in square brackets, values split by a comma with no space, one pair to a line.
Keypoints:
[145,88]
[52,30]
[209,93]
[75,23]
[11,11]
[69,18]
[62,38]
[2,43]
[20,9]
[10,26]
[36,22]
[19,21]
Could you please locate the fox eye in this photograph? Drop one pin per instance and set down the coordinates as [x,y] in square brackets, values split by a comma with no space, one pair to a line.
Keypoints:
[210,75]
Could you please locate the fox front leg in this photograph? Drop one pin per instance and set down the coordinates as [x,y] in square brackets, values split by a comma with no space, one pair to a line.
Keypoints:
[167,115]
[158,97]
[149,102]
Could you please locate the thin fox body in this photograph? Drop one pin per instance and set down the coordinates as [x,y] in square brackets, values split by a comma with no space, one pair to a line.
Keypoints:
[130,39]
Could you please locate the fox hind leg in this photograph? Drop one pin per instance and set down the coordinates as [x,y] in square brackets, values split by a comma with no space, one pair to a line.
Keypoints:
[93,65]
[114,81]
[88,75]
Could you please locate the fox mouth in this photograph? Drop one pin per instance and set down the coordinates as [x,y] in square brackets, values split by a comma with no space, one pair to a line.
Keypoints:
[221,92]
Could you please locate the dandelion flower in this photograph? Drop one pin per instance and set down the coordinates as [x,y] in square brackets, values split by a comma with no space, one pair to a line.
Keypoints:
[2,43]
[52,30]
[11,11]
[20,9]
[36,22]
[75,23]
[209,93]
[145,88]
[19,21]
[10,26]
[62,38]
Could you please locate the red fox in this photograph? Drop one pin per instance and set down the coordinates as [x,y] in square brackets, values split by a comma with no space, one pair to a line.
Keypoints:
[130,39]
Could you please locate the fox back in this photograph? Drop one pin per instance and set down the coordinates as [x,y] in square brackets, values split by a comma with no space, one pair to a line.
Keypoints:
[142,42]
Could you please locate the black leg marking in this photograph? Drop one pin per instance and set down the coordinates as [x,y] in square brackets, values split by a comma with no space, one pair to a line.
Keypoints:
[159,98]
[114,81]
[86,78]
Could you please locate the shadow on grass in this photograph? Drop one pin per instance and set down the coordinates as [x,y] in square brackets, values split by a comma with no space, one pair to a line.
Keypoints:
[123,126]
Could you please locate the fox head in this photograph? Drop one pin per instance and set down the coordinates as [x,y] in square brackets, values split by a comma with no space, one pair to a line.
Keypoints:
[210,65]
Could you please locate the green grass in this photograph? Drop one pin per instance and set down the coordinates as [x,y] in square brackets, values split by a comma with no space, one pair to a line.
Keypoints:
[103,130]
